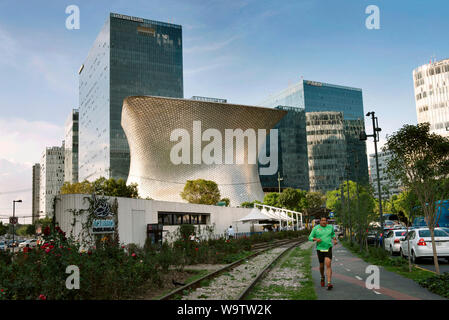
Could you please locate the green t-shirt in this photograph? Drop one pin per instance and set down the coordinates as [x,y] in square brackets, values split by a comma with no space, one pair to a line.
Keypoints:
[326,234]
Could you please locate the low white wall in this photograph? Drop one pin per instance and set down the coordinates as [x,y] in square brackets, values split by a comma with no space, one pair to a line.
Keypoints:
[135,214]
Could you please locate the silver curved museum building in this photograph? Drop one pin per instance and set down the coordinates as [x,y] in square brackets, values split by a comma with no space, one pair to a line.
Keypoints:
[174,140]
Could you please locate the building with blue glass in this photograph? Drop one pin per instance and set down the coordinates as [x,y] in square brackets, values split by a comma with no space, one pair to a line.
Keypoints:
[321,103]
[131,56]
[292,153]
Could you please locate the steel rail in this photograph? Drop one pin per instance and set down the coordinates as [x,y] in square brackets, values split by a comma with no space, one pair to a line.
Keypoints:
[245,292]
[197,283]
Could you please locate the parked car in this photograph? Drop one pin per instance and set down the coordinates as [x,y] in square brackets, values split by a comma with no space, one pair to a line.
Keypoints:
[392,240]
[421,244]
[3,245]
[31,243]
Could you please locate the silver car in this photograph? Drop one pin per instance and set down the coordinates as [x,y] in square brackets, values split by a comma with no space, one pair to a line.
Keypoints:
[421,244]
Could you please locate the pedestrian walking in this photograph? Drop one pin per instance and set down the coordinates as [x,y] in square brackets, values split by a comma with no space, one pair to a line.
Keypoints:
[325,238]
[230,232]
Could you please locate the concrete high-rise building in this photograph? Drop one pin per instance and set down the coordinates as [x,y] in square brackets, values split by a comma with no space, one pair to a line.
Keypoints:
[71,148]
[36,191]
[388,186]
[312,96]
[131,56]
[431,83]
[51,178]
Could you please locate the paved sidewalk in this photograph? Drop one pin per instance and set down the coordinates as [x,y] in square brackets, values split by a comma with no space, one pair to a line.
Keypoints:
[348,278]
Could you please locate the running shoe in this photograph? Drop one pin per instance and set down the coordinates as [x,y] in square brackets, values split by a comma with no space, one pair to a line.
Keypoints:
[322,282]
[329,286]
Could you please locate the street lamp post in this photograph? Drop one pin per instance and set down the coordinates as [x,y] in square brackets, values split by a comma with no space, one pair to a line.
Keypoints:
[375,135]
[14,225]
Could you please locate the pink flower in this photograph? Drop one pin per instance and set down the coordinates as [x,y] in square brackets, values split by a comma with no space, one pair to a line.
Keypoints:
[133,255]
[47,250]
[42,297]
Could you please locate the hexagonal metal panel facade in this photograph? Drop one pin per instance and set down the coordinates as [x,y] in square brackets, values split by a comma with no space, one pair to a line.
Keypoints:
[148,123]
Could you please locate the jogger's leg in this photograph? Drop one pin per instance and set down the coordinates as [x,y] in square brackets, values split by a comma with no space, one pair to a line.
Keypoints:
[328,261]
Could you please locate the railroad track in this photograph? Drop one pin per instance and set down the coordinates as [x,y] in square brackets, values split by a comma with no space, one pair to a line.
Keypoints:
[263,252]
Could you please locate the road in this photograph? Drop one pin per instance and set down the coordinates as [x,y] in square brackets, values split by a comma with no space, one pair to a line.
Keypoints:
[428,264]
[349,279]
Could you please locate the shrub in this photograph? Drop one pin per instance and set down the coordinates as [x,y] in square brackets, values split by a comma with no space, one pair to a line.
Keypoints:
[437,284]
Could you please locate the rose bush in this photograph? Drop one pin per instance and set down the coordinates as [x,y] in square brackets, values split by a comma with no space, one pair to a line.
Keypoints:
[109,270]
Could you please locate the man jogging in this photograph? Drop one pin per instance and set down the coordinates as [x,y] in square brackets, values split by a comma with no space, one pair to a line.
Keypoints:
[324,236]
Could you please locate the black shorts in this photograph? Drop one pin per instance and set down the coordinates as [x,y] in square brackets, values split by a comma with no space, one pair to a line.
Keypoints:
[322,255]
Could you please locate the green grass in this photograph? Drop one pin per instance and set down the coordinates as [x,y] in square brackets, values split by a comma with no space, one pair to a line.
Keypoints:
[307,289]
[381,257]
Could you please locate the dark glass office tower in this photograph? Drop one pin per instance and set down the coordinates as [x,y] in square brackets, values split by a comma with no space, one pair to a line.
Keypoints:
[312,96]
[292,160]
[131,56]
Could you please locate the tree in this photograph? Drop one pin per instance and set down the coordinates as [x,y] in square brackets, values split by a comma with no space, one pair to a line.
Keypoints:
[293,199]
[201,191]
[3,229]
[272,199]
[313,202]
[108,187]
[361,208]
[420,161]
[227,201]
[408,203]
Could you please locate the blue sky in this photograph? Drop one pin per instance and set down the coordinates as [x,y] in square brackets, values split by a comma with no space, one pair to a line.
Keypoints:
[238,50]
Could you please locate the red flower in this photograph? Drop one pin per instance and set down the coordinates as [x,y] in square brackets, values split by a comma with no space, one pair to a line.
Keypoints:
[42,297]
[47,230]
[133,255]
[196,249]
[123,247]
[1,290]
[47,250]
[89,252]
[51,247]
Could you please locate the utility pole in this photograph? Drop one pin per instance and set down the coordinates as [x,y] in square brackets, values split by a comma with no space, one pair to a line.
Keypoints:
[14,225]
[375,135]
[279,182]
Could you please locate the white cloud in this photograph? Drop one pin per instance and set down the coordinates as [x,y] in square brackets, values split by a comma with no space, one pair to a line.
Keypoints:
[23,141]
[21,145]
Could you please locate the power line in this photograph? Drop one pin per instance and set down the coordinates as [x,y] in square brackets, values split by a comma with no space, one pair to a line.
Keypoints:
[15,191]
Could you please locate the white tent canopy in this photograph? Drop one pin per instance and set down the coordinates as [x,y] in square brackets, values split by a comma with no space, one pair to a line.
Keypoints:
[256,215]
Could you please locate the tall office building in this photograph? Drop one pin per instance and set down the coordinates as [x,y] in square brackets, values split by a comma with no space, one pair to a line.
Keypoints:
[36,190]
[51,178]
[312,96]
[431,83]
[326,150]
[388,186]
[131,56]
[71,148]
[293,167]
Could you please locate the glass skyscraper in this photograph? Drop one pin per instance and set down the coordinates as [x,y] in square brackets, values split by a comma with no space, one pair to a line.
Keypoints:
[311,97]
[71,147]
[292,153]
[131,56]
